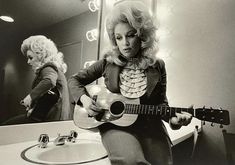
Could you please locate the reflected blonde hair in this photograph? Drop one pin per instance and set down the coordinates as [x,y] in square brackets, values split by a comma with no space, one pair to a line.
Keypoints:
[137,15]
[46,51]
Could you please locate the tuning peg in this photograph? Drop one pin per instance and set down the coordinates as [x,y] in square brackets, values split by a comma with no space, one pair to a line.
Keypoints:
[211,109]
[221,126]
[212,124]
[221,110]
[191,106]
[203,122]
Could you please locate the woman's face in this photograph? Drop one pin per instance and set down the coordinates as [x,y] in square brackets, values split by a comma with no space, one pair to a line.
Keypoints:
[127,41]
[33,59]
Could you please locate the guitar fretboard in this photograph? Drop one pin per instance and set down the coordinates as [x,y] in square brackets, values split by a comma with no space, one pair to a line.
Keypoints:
[155,110]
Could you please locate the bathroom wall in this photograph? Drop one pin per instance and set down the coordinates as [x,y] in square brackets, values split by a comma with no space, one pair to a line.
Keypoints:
[70,36]
[197,43]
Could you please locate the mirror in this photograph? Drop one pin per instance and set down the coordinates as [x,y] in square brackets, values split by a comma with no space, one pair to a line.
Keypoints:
[65,22]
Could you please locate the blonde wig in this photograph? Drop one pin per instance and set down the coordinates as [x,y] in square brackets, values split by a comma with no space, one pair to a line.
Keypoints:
[137,15]
[46,51]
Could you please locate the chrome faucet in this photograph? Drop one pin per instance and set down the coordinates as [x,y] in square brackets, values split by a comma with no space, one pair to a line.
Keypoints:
[60,140]
[43,140]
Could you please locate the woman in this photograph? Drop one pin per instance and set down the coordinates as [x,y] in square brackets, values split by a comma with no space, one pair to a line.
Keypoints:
[49,97]
[132,69]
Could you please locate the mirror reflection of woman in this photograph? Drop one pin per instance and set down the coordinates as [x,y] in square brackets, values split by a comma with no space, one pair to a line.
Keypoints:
[49,97]
[132,69]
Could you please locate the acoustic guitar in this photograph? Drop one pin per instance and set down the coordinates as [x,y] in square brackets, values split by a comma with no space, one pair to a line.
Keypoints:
[123,111]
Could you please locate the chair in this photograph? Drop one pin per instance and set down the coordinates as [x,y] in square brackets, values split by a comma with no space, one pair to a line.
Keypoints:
[229,141]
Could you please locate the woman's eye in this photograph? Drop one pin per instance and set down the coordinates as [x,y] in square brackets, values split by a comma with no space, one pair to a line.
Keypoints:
[131,35]
[118,37]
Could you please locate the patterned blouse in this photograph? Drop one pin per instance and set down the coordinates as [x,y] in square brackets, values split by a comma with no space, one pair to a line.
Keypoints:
[133,81]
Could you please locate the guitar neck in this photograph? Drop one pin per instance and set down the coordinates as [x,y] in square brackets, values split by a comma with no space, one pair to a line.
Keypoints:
[163,111]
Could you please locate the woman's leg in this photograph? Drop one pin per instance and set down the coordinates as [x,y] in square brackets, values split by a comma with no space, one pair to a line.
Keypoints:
[157,149]
[123,148]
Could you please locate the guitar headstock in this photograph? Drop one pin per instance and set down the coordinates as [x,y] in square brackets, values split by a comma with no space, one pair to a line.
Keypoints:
[213,115]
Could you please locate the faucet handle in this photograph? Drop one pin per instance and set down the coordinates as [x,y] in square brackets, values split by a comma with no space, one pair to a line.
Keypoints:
[73,136]
[43,140]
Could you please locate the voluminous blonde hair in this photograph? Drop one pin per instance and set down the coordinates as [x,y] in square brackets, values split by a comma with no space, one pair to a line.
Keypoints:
[46,51]
[137,15]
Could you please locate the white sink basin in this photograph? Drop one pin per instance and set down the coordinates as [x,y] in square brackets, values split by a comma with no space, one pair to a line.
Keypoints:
[82,151]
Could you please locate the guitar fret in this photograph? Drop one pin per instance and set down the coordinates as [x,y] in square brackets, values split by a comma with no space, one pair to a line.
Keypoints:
[128,108]
[151,109]
[158,111]
[145,109]
[133,107]
[137,109]
[155,110]
[142,109]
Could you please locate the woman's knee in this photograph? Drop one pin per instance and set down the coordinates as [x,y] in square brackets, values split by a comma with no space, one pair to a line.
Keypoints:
[128,160]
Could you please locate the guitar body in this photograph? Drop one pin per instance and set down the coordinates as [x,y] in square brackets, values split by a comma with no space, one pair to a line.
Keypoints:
[104,98]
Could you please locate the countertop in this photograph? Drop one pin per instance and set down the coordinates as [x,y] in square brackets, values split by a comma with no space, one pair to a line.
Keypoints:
[14,139]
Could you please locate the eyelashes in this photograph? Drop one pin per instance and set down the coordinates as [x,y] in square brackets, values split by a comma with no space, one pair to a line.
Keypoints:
[127,36]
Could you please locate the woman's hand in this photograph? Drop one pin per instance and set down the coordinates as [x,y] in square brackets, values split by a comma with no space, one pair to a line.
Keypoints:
[90,105]
[26,101]
[180,119]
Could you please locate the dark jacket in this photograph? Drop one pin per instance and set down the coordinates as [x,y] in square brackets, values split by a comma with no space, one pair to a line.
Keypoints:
[48,77]
[155,94]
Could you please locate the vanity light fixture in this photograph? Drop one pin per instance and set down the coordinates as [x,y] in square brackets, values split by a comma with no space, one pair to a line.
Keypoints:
[94,5]
[92,35]
[6,18]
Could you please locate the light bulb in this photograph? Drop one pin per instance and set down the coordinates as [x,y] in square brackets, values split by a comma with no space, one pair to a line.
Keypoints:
[94,5]
[7,18]
[92,35]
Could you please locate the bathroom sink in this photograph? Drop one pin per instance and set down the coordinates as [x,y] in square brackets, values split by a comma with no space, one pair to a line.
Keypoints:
[82,151]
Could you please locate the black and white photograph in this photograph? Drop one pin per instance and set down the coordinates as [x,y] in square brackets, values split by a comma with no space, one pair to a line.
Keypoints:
[117,82]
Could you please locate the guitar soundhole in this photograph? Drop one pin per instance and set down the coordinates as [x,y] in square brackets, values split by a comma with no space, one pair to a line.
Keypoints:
[117,108]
